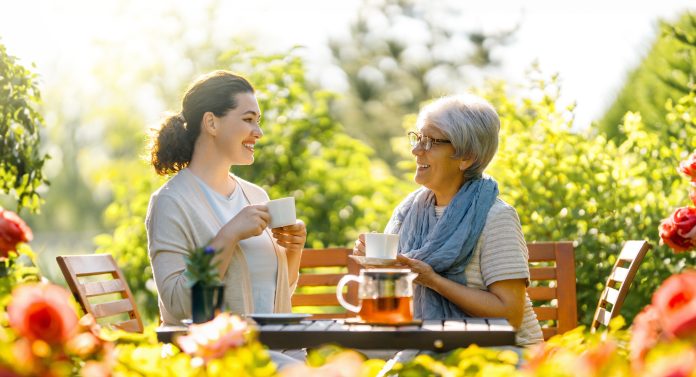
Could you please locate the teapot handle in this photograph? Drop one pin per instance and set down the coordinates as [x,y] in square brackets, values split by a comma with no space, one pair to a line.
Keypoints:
[339,292]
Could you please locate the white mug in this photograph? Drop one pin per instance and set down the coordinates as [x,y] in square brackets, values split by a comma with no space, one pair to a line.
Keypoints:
[381,245]
[282,212]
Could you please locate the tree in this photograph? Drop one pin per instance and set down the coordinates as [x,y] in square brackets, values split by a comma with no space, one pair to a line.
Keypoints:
[21,161]
[401,53]
[667,72]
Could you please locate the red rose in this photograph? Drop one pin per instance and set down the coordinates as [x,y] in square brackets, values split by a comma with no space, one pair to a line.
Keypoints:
[692,193]
[688,167]
[675,301]
[679,230]
[13,230]
[42,311]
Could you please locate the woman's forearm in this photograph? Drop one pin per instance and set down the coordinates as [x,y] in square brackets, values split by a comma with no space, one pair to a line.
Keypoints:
[503,300]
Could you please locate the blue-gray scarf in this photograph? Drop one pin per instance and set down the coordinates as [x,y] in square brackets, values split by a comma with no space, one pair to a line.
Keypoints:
[446,245]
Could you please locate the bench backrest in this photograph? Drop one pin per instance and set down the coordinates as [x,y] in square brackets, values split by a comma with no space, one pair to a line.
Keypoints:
[320,271]
[99,286]
[619,281]
[552,289]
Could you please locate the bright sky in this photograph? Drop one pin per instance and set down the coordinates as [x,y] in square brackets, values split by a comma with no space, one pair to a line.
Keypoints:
[591,43]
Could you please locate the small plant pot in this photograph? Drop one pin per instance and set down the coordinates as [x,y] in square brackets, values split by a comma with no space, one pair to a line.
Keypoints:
[206,302]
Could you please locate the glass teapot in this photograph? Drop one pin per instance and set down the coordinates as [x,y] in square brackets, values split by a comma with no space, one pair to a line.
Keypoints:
[386,295]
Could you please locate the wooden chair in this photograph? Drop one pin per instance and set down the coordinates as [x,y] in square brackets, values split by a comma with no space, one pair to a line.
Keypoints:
[320,271]
[553,294]
[619,282]
[99,286]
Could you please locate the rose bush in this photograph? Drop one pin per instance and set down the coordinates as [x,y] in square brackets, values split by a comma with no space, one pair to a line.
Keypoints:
[688,167]
[13,230]
[678,231]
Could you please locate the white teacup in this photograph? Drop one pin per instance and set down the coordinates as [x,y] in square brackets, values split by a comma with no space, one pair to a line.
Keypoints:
[381,245]
[282,212]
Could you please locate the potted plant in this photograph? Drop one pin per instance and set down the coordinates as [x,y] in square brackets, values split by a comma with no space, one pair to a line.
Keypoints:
[207,290]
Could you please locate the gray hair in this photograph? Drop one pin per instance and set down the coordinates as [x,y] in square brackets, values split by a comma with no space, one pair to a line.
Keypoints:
[471,123]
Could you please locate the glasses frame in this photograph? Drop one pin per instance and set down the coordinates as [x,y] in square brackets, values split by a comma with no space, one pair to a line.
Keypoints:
[426,142]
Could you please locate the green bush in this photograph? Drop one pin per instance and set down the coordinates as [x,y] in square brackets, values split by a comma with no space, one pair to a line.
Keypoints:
[579,186]
[21,162]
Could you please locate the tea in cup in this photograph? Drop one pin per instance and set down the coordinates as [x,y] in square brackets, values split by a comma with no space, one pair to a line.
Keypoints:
[282,212]
[381,245]
[386,295]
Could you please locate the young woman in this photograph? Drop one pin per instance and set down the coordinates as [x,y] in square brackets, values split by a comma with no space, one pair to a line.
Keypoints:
[204,204]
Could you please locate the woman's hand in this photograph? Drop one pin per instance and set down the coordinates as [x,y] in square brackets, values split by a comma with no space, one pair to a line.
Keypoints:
[249,222]
[426,274]
[359,248]
[291,237]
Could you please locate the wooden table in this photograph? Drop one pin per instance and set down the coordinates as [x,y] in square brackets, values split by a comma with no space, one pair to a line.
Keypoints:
[434,335]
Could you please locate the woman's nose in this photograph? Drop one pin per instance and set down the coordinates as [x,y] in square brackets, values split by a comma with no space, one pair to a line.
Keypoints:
[417,150]
[258,132]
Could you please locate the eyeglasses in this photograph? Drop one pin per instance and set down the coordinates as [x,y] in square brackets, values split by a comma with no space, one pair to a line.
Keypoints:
[425,142]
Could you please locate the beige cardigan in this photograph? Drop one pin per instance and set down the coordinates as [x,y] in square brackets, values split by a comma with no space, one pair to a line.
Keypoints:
[180,219]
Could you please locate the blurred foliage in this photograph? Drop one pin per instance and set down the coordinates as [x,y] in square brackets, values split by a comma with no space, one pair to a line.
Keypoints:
[339,190]
[401,53]
[582,187]
[666,73]
[21,161]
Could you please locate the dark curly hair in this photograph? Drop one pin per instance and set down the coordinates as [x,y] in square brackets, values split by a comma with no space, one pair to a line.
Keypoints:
[172,144]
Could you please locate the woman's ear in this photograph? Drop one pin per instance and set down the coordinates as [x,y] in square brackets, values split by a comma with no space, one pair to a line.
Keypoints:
[208,123]
[465,164]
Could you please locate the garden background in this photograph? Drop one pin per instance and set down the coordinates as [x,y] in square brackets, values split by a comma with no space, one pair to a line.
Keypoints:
[341,150]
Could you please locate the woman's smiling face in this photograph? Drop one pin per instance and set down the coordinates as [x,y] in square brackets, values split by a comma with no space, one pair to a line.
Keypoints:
[239,130]
[436,169]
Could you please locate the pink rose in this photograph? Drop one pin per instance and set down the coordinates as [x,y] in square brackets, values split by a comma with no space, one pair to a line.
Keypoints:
[688,167]
[42,311]
[679,230]
[212,339]
[13,230]
[675,301]
[645,333]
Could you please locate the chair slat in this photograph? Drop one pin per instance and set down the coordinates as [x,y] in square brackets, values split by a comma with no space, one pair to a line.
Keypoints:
[544,313]
[130,325]
[325,257]
[631,250]
[111,308]
[549,332]
[541,252]
[542,273]
[619,274]
[603,316]
[323,299]
[610,295]
[541,293]
[97,288]
[319,279]
[90,266]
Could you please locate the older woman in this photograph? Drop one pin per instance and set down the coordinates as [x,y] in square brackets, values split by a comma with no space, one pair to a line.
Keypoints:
[465,243]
